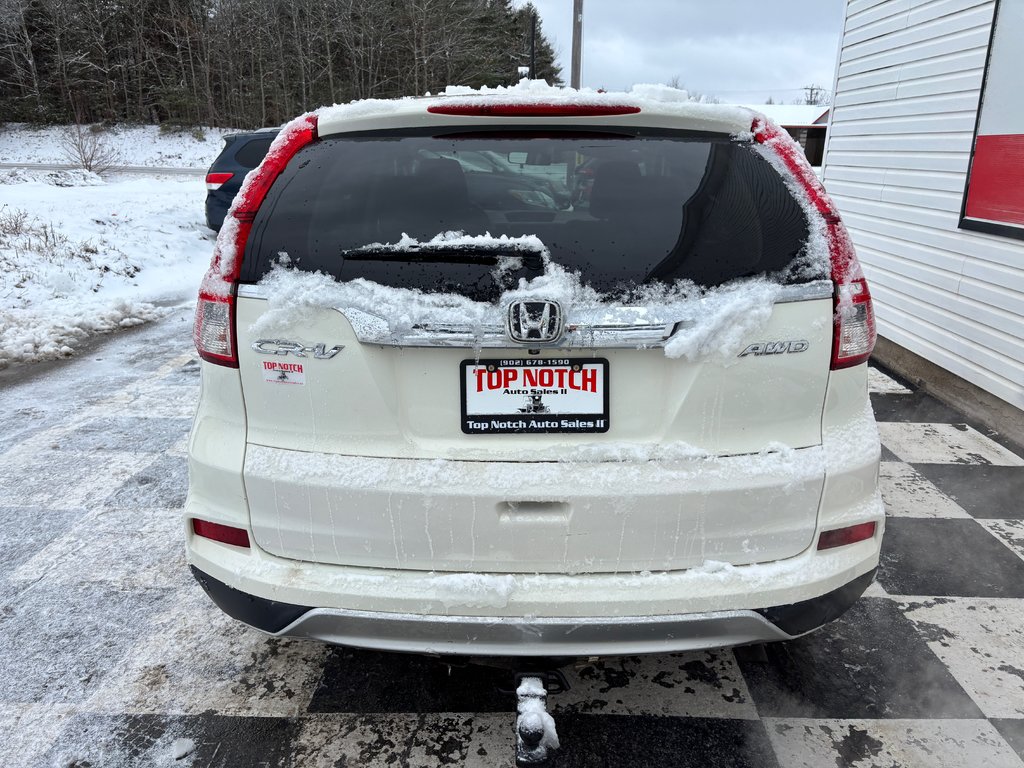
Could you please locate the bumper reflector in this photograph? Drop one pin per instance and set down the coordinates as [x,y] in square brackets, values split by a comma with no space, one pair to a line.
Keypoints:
[843,536]
[236,537]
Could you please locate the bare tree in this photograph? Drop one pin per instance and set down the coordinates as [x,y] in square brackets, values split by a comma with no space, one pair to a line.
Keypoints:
[247,62]
[87,148]
[816,94]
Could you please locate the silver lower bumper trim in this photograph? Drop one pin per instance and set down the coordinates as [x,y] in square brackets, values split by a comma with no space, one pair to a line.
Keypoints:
[483,636]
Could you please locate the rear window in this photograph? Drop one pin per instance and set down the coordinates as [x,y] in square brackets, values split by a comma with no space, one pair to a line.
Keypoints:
[621,210]
[253,151]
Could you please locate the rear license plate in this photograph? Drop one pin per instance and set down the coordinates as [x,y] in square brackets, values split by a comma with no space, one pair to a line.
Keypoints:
[517,396]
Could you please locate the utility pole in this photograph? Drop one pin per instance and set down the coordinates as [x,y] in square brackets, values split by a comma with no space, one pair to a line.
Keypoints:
[577,42]
[533,46]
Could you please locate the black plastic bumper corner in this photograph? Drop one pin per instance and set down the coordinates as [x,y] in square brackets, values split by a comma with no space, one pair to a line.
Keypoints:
[798,618]
[268,615]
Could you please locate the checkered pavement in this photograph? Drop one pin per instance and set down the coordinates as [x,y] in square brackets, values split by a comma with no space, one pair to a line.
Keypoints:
[110,653]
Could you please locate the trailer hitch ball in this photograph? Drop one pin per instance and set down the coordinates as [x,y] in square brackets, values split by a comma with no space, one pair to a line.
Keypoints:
[536,738]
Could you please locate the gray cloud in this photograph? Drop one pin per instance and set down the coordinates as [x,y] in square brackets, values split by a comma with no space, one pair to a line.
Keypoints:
[738,50]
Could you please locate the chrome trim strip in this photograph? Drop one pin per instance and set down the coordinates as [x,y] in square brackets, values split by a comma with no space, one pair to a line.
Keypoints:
[818,289]
[372,329]
[251,291]
[590,327]
[501,636]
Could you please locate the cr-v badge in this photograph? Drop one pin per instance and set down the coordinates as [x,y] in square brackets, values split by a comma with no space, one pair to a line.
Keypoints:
[283,347]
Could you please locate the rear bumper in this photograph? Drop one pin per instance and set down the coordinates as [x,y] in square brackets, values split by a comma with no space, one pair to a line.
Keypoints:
[536,636]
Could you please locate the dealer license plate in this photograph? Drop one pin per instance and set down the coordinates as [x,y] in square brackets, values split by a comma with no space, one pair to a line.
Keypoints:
[527,396]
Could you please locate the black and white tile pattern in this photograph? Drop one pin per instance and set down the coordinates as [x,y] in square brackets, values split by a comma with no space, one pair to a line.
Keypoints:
[110,655]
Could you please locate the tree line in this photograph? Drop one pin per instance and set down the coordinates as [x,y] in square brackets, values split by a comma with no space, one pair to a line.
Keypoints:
[249,63]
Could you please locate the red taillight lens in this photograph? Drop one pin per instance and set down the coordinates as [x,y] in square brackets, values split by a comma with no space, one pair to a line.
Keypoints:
[292,138]
[533,110]
[849,535]
[214,330]
[215,181]
[236,537]
[854,332]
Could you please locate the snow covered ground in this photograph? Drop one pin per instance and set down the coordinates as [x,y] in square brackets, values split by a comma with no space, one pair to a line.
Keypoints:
[80,255]
[133,144]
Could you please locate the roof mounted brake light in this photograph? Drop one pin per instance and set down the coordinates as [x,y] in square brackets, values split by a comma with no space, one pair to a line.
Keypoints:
[533,110]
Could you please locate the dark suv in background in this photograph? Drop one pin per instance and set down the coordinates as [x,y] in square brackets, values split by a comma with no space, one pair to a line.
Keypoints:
[242,152]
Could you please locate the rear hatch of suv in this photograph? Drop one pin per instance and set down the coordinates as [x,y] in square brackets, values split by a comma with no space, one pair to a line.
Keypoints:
[415,305]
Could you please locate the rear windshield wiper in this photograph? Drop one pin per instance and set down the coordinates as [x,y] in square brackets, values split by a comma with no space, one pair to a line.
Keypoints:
[444,254]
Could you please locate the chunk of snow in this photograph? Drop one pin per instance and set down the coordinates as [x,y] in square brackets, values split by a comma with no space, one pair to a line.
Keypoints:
[728,317]
[476,590]
[182,748]
[714,323]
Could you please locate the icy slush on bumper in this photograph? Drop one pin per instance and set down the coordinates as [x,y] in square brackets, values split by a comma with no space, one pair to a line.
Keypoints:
[504,636]
[714,607]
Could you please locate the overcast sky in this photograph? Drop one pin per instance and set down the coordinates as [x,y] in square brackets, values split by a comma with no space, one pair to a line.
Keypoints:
[741,51]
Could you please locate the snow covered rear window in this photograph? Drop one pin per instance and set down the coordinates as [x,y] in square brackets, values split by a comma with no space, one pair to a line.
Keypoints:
[621,210]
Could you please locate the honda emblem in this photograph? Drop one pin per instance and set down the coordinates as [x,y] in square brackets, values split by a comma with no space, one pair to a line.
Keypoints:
[535,322]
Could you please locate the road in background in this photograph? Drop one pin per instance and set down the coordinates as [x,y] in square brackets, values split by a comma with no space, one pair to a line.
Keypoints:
[143,169]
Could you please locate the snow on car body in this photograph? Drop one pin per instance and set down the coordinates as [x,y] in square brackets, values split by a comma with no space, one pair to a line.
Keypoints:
[447,416]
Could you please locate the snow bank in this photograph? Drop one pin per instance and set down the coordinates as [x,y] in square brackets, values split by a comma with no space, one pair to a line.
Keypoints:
[80,260]
[73,177]
[30,335]
[143,145]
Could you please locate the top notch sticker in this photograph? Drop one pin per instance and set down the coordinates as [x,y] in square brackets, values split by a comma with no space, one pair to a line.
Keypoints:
[283,373]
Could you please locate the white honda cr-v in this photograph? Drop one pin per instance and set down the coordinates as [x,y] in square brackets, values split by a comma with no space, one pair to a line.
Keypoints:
[534,372]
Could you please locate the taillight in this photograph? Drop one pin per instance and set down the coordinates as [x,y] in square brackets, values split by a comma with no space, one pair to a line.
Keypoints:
[485,109]
[292,138]
[214,330]
[226,534]
[854,334]
[215,181]
[843,536]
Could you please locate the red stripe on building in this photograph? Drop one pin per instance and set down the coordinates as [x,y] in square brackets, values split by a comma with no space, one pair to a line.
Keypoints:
[996,191]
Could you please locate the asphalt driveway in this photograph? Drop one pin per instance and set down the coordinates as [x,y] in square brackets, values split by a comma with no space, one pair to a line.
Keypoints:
[111,655]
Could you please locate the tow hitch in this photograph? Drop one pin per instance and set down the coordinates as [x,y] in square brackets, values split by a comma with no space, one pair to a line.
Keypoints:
[536,737]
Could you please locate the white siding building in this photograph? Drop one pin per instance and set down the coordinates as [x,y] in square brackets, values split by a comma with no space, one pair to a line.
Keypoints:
[944,255]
